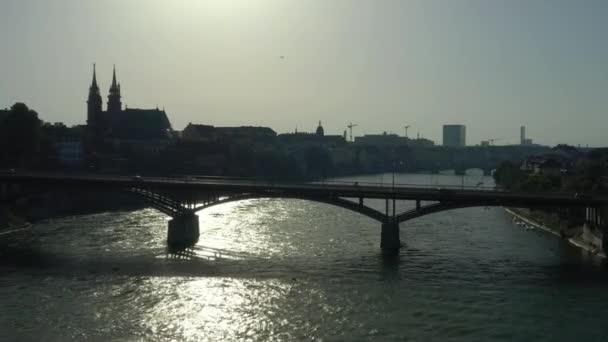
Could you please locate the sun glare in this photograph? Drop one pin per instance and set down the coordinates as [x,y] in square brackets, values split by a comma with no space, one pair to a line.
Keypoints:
[221,5]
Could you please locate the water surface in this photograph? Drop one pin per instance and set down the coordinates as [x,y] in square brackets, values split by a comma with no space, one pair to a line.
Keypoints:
[282,270]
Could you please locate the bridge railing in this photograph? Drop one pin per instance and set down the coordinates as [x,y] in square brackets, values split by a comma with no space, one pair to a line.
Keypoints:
[202,179]
[409,185]
[337,182]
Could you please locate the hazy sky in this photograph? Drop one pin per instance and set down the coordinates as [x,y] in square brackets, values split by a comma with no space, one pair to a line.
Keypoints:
[490,65]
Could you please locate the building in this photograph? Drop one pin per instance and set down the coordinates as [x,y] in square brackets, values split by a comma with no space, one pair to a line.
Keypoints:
[554,165]
[422,142]
[380,140]
[201,133]
[454,135]
[320,130]
[386,140]
[532,164]
[246,134]
[522,137]
[316,138]
[208,133]
[70,153]
[117,125]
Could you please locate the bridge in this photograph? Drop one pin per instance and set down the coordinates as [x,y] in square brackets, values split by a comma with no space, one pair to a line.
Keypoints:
[181,197]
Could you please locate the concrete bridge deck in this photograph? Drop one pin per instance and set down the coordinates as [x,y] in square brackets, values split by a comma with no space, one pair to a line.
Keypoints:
[181,197]
[330,188]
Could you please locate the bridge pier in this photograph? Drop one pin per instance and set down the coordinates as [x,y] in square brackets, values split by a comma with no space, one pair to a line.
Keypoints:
[183,231]
[605,239]
[389,238]
[3,191]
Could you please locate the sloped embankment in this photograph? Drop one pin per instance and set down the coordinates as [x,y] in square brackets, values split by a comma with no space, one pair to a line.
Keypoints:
[579,235]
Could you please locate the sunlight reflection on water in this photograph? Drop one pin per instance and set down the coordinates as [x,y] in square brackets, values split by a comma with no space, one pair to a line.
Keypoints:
[272,269]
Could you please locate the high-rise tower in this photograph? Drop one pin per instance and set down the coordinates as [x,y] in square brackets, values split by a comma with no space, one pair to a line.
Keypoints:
[454,135]
[114,104]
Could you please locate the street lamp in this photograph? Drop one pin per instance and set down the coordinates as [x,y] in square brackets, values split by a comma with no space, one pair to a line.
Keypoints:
[394,169]
[393,175]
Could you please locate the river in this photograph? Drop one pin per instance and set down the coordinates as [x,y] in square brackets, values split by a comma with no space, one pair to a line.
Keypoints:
[285,270]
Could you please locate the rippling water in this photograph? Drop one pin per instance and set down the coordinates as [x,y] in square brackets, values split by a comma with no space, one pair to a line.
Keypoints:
[273,269]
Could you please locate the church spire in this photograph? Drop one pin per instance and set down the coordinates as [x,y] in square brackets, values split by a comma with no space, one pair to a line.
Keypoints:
[114,84]
[114,104]
[94,106]
[94,83]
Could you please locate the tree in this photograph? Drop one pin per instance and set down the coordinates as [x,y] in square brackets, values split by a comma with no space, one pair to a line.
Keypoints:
[509,175]
[20,137]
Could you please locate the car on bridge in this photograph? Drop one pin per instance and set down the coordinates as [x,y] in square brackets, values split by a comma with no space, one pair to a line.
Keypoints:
[582,196]
[444,191]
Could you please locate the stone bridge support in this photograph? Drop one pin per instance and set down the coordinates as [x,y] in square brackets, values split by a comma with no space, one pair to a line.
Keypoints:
[8,191]
[603,227]
[183,231]
[390,242]
[595,228]
[3,191]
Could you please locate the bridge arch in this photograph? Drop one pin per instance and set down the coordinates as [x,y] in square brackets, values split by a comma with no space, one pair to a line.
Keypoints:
[335,201]
[174,208]
[184,225]
[434,208]
[164,204]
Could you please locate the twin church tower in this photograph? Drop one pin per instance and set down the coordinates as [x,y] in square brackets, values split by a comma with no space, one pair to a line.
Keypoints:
[116,123]
[95,112]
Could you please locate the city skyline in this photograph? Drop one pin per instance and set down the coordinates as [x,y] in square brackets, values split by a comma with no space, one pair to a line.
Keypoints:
[289,64]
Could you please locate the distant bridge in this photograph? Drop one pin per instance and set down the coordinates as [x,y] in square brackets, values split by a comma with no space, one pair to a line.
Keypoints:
[182,197]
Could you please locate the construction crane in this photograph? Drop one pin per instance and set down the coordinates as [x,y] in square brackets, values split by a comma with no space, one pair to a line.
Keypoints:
[350,127]
[406,127]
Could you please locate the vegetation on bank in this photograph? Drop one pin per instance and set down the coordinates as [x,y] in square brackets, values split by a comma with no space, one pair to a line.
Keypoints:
[564,169]
[510,176]
[26,142]
[577,173]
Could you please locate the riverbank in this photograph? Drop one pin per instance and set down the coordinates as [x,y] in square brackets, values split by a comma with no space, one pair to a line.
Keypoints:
[9,221]
[14,229]
[578,235]
[58,204]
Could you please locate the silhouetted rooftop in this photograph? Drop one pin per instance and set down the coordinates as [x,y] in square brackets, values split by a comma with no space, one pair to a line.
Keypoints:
[248,130]
[200,129]
[141,124]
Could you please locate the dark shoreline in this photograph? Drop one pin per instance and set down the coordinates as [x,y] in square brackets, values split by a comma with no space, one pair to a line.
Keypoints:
[577,235]
[55,205]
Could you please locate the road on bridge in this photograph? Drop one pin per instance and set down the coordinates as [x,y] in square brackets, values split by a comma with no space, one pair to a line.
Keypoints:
[331,188]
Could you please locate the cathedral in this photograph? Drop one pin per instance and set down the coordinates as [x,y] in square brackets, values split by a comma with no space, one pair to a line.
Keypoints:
[118,124]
